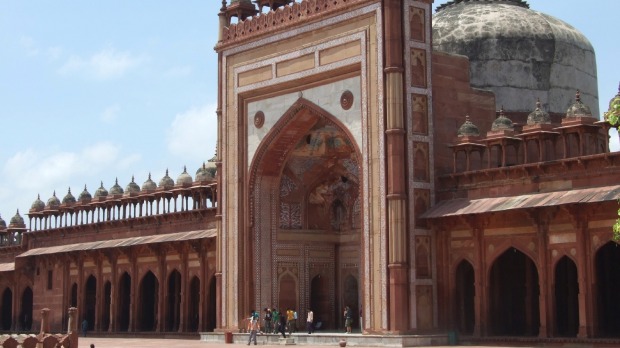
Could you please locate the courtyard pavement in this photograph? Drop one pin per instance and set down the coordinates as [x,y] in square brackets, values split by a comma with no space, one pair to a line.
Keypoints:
[84,342]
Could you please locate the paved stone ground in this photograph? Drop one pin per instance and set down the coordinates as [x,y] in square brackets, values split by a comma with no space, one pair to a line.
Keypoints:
[176,343]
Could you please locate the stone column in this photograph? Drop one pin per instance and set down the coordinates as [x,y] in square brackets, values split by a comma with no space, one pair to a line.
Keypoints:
[45,323]
[398,308]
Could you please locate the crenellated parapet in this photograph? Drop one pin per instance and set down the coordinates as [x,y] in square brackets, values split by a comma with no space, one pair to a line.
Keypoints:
[283,17]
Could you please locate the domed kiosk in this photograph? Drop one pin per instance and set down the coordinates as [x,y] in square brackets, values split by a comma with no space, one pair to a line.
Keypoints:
[519,54]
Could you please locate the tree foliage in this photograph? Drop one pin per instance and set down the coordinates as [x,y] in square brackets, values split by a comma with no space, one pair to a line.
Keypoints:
[613,117]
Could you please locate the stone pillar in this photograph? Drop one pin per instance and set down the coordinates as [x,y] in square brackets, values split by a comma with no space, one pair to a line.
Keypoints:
[161,297]
[398,307]
[72,324]
[45,323]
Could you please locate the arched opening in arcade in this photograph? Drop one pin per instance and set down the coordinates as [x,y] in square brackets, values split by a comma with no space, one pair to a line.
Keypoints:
[26,313]
[351,299]
[147,304]
[7,309]
[608,281]
[107,302]
[124,302]
[210,320]
[90,301]
[465,293]
[173,308]
[193,313]
[305,188]
[514,295]
[566,298]
[74,295]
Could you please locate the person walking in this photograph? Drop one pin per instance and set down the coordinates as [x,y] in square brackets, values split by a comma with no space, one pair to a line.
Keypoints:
[275,317]
[282,325]
[310,321]
[253,327]
[290,320]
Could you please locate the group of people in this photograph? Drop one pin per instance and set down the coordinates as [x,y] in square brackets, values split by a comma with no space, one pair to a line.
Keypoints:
[279,322]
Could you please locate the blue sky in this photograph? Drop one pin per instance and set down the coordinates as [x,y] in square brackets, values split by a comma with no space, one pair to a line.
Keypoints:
[94,91]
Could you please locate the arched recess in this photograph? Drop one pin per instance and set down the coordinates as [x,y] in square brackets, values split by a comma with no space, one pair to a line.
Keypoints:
[465,295]
[90,301]
[305,175]
[193,316]
[351,297]
[26,313]
[147,304]
[124,302]
[287,292]
[7,309]
[514,295]
[211,306]
[608,281]
[74,295]
[566,298]
[107,303]
[319,301]
[173,307]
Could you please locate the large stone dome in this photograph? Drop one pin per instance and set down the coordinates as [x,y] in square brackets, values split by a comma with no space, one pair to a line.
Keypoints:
[518,53]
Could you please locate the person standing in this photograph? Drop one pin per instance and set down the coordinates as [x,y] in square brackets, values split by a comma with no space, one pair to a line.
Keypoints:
[84,327]
[268,328]
[275,317]
[290,320]
[309,321]
[253,327]
[348,319]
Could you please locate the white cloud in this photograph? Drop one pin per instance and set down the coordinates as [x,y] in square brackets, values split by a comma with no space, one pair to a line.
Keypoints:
[110,114]
[178,71]
[54,53]
[36,171]
[193,133]
[105,64]
[29,44]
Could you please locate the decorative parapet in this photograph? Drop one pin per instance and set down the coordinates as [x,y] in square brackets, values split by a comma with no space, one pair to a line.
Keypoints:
[282,18]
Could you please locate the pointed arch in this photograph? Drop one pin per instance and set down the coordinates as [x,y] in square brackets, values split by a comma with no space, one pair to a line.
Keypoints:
[566,297]
[607,273]
[514,295]
[6,309]
[465,293]
[323,133]
[27,306]
[173,303]
[148,300]
[90,301]
[124,302]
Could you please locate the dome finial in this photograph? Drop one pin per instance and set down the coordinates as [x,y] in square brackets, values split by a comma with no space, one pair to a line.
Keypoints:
[578,96]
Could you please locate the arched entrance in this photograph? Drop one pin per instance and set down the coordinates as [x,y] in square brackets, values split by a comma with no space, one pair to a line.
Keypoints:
[7,309]
[465,294]
[608,280]
[306,216]
[124,302]
[351,298]
[107,302]
[147,305]
[566,298]
[319,302]
[173,309]
[26,314]
[90,301]
[74,293]
[210,320]
[513,295]
[193,316]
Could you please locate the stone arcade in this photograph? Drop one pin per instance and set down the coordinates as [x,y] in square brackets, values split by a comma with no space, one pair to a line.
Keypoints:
[358,165]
